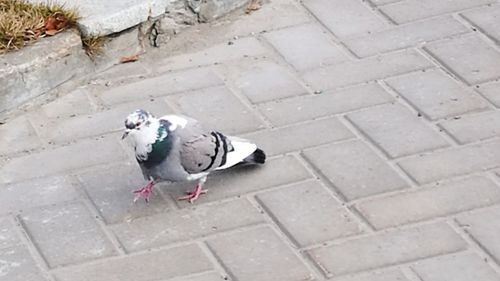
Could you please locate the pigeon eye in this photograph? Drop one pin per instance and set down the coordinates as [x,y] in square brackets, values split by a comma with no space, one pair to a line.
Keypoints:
[137,124]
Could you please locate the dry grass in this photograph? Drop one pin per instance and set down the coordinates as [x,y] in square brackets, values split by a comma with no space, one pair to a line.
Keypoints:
[22,22]
[93,45]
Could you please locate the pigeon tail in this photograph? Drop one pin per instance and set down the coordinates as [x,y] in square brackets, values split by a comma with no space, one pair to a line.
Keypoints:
[257,157]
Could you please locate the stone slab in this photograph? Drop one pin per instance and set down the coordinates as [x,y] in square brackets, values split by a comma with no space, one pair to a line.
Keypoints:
[18,135]
[396,130]
[8,233]
[486,19]
[473,127]
[18,265]
[46,227]
[258,254]
[492,92]
[354,169]
[308,213]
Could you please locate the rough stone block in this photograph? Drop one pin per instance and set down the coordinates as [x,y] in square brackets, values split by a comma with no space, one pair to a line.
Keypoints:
[405,36]
[410,10]
[478,61]
[433,201]
[474,127]
[59,160]
[177,226]
[18,265]
[112,195]
[25,195]
[306,46]
[436,95]
[456,267]
[265,81]
[298,137]
[386,249]
[308,213]
[365,70]
[217,108]
[354,169]
[484,226]
[344,17]
[71,224]
[213,9]
[450,162]
[258,254]
[167,263]
[396,130]
[162,85]
[328,103]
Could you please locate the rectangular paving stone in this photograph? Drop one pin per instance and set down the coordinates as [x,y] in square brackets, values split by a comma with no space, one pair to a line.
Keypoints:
[212,276]
[304,108]
[452,162]
[436,200]
[436,95]
[365,70]
[410,10]
[386,249]
[64,130]
[456,267]
[484,227]
[53,227]
[383,2]
[354,169]
[308,213]
[18,265]
[258,254]
[486,19]
[165,264]
[492,92]
[397,130]
[241,48]
[193,223]
[344,17]
[8,235]
[112,195]
[242,180]
[58,160]
[474,127]
[18,135]
[478,61]
[162,85]
[297,137]
[314,47]
[390,275]
[217,108]
[19,197]
[404,36]
[74,103]
[264,81]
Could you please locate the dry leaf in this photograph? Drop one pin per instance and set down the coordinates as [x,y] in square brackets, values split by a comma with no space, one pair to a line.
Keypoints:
[55,23]
[253,6]
[126,59]
[51,32]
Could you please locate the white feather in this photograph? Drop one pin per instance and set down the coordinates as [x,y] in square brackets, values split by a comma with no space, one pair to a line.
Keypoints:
[176,121]
[144,138]
[242,149]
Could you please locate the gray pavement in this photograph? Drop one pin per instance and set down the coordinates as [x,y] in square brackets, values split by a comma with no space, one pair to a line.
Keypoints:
[380,119]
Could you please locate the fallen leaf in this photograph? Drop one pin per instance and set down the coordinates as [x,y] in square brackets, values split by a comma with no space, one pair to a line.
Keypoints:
[126,59]
[55,23]
[51,32]
[253,6]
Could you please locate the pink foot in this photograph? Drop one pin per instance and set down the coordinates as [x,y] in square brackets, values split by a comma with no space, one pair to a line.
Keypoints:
[144,192]
[193,195]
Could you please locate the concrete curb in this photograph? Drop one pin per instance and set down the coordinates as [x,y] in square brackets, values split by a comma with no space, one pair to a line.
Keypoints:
[39,69]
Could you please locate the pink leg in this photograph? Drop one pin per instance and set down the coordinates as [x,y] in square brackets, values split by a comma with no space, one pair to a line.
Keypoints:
[144,192]
[193,195]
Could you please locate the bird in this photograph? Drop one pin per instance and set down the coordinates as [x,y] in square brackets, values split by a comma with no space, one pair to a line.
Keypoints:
[177,148]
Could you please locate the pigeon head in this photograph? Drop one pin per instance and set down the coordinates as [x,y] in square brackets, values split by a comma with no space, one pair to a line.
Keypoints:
[137,120]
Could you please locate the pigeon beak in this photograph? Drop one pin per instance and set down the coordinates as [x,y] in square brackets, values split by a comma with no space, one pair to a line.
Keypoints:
[125,134]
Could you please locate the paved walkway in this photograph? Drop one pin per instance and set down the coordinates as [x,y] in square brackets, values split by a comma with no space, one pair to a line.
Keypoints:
[380,118]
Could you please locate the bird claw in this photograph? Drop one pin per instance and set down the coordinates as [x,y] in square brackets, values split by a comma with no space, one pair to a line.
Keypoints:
[193,195]
[144,192]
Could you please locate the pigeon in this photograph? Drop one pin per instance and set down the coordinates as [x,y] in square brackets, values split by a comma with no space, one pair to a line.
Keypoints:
[177,148]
